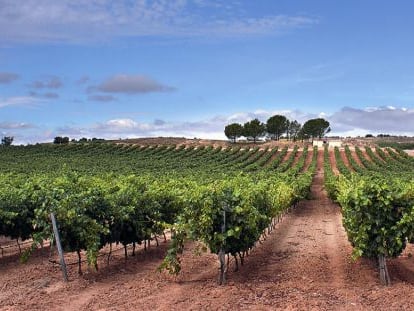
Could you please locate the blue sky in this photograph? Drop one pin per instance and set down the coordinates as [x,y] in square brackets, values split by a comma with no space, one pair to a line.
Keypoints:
[113,69]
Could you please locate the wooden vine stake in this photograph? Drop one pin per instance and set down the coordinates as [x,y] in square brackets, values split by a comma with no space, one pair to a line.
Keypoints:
[59,247]
[384,275]
[222,255]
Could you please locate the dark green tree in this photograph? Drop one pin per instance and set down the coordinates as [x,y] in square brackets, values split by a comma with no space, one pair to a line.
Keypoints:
[294,129]
[302,135]
[316,128]
[7,141]
[57,140]
[233,131]
[254,129]
[276,126]
[61,140]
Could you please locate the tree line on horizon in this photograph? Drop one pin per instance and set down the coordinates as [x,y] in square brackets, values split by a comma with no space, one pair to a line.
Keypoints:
[7,141]
[276,127]
[58,140]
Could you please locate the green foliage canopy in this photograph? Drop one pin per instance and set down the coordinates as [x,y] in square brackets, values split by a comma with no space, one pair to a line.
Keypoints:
[277,125]
[233,131]
[254,129]
[316,128]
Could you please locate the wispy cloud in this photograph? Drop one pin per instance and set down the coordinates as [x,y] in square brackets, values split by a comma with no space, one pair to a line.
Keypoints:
[20,101]
[83,21]
[8,77]
[51,82]
[82,80]
[319,73]
[15,125]
[47,95]
[267,25]
[102,98]
[130,84]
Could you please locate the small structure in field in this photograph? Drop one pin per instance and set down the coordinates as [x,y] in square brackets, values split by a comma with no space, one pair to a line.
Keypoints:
[327,142]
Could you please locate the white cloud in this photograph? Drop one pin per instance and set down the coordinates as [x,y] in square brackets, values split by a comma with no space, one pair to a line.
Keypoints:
[119,128]
[121,123]
[82,21]
[375,120]
[346,122]
[69,131]
[263,115]
[212,128]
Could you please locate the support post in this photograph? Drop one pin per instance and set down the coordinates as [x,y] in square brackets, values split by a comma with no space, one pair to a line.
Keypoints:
[59,247]
[222,254]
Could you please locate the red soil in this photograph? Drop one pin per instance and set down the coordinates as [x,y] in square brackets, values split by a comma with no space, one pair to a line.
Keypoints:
[345,159]
[356,158]
[308,160]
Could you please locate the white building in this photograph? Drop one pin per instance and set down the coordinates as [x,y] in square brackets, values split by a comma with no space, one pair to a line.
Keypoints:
[327,142]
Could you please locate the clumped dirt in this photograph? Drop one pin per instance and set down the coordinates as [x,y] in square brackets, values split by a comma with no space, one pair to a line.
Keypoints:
[305,264]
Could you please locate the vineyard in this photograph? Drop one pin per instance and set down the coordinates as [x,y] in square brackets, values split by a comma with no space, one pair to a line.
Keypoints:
[251,216]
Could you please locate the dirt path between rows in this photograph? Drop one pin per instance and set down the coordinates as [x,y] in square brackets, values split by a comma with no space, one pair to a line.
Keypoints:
[305,264]
[356,158]
[308,160]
